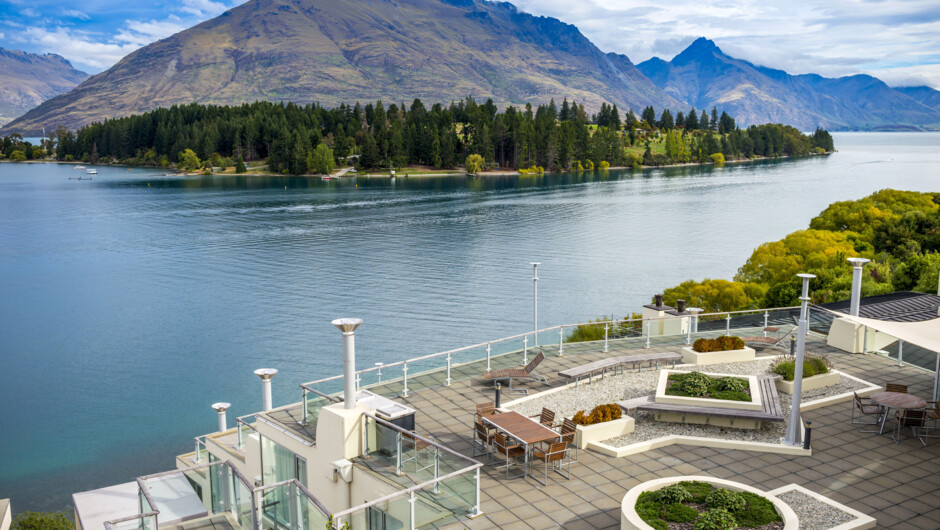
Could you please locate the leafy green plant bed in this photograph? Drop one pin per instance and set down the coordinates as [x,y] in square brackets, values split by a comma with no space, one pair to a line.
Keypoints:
[697,384]
[812,365]
[706,507]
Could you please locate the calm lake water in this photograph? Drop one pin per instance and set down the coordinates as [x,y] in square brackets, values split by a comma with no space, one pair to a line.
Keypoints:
[130,303]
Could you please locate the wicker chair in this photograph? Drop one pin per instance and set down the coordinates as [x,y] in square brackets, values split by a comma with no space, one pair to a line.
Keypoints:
[865,407]
[509,450]
[915,419]
[894,387]
[555,455]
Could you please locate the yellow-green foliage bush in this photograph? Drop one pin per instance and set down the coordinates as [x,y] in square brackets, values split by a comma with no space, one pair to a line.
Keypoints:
[718,159]
[722,343]
[599,414]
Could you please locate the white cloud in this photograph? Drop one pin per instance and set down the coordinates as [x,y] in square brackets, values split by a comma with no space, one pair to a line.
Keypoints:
[203,8]
[829,37]
[141,33]
[30,12]
[78,47]
[74,13]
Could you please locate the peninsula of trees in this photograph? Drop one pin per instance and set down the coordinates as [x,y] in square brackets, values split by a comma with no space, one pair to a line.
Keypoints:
[295,139]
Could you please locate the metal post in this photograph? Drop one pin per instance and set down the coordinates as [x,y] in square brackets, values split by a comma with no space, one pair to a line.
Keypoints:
[857,264]
[728,324]
[358,381]
[865,339]
[498,391]
[561,341]
[900,352]
[238,431]
[688,331]
[293,507]
[437,470]
[606,329]
[487,356]
[398,453]
[647,334]
[809,434]
[766,320]
[303,420]
[795,426]
[475,511]
[525,350]
[198,458]
[535,300]
[411,502]
[448,370]
[379,374]
[404,371]
[936,379]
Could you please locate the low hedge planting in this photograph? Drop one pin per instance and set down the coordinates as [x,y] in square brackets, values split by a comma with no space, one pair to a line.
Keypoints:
[697,384]
[599,414]
[722,343]
[812,365]
[705,506]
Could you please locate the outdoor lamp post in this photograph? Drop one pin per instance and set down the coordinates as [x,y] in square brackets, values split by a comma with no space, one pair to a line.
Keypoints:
[535,300]
[794,427]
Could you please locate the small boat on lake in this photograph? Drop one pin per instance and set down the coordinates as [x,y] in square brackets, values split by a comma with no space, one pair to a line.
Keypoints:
[79,167]
[91,171]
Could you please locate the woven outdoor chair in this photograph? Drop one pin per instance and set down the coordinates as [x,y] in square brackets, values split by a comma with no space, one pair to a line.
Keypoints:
[914,419]
[894,387]
[865,407]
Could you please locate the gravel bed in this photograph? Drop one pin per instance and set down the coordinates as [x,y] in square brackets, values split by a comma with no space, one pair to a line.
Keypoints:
[814,514]
[614,388]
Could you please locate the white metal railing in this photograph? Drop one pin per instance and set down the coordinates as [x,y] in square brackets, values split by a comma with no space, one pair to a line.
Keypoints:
[643,327]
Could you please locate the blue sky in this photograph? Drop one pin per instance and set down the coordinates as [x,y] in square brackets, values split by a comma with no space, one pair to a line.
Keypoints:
[898,41]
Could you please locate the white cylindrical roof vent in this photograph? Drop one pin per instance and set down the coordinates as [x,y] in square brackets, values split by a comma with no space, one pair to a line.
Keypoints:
[221,407]
[348,327]
[857,264]
[266,374]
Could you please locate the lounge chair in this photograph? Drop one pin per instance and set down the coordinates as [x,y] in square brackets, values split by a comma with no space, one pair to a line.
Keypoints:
[865,407]
[527,372]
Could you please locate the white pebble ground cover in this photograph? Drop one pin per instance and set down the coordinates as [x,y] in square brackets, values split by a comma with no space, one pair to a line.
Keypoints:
[614,388]
[813,513]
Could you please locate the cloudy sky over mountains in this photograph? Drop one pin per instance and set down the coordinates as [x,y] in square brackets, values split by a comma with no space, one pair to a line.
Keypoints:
[896,41]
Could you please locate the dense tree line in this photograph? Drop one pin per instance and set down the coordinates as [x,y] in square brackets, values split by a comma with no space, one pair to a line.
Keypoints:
[289,136]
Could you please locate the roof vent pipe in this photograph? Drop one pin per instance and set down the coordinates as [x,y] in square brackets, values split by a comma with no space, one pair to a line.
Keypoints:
[680,306]
[221,408]
[348,327]
[266,374]
[857,264]
[659,300]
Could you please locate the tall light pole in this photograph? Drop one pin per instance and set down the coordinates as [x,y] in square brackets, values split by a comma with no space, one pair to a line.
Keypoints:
[794,427]
[535,300]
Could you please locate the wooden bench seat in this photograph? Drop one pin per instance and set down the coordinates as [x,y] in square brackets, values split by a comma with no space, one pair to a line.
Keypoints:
[615,363]
[769,399]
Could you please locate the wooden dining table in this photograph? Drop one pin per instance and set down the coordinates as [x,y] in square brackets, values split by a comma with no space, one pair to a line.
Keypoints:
[522,428]
[896,400]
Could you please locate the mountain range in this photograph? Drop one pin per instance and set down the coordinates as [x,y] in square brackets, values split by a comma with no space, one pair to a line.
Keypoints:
[342,51]
[704,76]
[29,79]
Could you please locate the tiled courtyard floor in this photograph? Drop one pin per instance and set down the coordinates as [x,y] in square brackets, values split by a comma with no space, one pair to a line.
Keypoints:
[899,485]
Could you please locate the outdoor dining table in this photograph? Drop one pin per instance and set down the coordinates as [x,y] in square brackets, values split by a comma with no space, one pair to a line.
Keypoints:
[526,430]
[896,400]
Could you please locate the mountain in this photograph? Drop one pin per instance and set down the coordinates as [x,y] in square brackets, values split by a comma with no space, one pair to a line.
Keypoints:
[29,79]
[704,76]
[924,94]
[335,51]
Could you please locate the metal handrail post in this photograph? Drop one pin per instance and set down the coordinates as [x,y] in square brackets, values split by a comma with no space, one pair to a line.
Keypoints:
[900,351]
[766,320]
[648,323]
[404,371]
[303,420]
[437,470]
[688,332]
[398,451]
[238,432]
[292,491]
[865,339]
[606,329]
[561,341]
[488,356]
[448,371]
[525,350]
[358,381]
[475,511]
[728,324]
[411,502]
[196,457]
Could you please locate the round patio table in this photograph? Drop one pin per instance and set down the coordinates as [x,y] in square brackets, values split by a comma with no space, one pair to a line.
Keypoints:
[896,400]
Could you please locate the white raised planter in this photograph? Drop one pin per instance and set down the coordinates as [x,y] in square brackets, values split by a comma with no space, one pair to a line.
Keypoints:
[630,520]
[603,431]
[754,404]
[810,383]
[690,356]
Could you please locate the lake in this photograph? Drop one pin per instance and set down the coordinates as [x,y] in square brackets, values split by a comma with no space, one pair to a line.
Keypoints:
[130,303]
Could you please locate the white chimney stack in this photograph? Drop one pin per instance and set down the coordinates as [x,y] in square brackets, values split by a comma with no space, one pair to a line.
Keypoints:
[857,264]
[348,327]
[266,374]
[221,408]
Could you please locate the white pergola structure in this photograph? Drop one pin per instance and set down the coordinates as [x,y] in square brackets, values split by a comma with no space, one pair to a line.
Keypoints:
[925,334]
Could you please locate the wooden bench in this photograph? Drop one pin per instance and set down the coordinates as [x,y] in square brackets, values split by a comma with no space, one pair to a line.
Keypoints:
[769,399]
[614,363]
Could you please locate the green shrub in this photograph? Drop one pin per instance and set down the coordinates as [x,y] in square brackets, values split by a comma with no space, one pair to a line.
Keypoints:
[672,494]
[694,384]
[734,384]
[650,510]
[699,490]
[731,395]
[716,519]
[678,513]
[812,365]
[727,499]
[42,521]
[722,343]
[757,512]
[599,414]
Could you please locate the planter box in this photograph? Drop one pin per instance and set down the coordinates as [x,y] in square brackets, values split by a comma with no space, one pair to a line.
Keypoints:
[690,356]
[810,383]
[754,404]
[602,431]
[630,520]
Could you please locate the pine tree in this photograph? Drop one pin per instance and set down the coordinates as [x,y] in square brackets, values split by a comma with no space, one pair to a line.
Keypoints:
[713,124]
[240,166]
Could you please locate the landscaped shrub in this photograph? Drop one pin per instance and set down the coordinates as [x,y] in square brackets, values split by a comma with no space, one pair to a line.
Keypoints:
[599,414]
[812,365]
[726,499]
[716,519]
[678,513]
[674,493]
[734,384]
[699,490]
[650,510]
[694,384]
[722,343]
[757,512]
